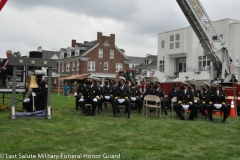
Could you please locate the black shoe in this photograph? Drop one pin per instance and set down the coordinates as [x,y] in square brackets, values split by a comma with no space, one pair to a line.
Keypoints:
[114,114]
[165,112]
[105,105]
[224,120]
[191,119]
[181,118]
[118,110]
[210,119]
[129,116]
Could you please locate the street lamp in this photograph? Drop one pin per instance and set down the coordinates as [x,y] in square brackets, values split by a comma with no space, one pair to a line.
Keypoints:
[58,71]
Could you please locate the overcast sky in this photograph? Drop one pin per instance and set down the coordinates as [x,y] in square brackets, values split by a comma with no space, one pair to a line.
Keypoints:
[27,24]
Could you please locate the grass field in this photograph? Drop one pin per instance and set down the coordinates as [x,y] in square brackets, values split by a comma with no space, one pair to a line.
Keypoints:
[70,134]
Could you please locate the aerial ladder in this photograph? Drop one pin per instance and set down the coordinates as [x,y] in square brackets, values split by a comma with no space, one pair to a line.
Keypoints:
[215,50]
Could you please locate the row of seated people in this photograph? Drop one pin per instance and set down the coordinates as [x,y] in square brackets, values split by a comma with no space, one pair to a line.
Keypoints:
[211,98]
[92,93]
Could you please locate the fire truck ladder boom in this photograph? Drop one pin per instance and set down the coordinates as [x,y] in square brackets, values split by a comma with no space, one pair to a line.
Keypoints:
[202,26]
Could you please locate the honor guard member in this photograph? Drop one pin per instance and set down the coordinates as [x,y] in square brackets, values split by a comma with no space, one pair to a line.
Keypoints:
[149,90]
[80,90]
[97,82]
[107,92]
[218,101]
[135,95]
[121,96]
[171,94]
[184,101]
[160,93]
[204,99]
[39,94]
[90,96]
[112,83]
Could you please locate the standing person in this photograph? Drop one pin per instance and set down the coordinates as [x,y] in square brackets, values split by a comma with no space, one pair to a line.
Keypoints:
[5,68]
[121,96]
[40,96]
[66,89]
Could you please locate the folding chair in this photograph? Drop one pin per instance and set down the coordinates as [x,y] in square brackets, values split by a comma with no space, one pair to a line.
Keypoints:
[157,105]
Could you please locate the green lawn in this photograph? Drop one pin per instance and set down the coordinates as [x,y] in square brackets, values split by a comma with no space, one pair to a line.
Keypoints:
[70,133]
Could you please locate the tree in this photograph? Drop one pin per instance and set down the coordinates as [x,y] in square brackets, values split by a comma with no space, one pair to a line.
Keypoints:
[17,54]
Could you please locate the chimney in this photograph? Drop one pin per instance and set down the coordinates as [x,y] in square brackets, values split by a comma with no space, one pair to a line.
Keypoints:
[39,49]
[112,36]
[74,42]
[99,37]
[148,55]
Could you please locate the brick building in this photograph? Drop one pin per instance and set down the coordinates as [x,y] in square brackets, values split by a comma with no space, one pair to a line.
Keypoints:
[100,58]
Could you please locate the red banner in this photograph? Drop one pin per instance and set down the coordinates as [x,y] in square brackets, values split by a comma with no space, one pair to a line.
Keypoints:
[2,3]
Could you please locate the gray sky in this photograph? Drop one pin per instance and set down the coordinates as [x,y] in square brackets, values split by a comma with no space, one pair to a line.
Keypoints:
[27,24]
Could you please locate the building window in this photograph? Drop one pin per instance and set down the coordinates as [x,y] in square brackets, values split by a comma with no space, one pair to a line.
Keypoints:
[177,38]
[105,66]
[162,44]
[171,45]
[61,56]
[119,67]
[215,38]
[62,67]
[77,53]
[146,61]
[77,65]
[91,66]
[100,53]
[171,38]
[68,67]
[69,54]
[177,44]
[161,65]
[111,54]
[203,62]
[73,66]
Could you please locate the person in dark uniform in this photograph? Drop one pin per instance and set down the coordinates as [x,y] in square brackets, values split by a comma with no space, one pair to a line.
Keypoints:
[6,69]
[218,101]
[39,94]
[184,97]
[107,92]
[97,82]
[149,90]
[121,96]
[80,90]
[135,95]
[112,83]
[204,100]
[171,94]
[160,93]
[90,96]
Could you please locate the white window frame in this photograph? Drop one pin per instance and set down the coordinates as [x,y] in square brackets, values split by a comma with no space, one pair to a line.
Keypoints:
[76,53]
[171,38]
[91,66]
[68,67]
[73,66]
[171,45]
[202,60]
[111,54]
[162,44]
[61,55]
[119,67]
[161,65]
[177,37]
[177,44]
[105,63]
[100,53]
[68,54]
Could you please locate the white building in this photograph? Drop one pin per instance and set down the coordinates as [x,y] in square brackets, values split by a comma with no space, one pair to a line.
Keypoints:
[180,53]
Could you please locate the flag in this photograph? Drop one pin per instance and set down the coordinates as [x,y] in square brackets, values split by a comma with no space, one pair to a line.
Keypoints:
[2,3]
[151,73]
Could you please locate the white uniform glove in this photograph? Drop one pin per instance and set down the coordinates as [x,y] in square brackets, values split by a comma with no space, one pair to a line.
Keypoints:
[133,98]
[195,101]
[81,99]
[95,99]
[107,97]
[26,100]
[75,94]
[121,100]
[33,94]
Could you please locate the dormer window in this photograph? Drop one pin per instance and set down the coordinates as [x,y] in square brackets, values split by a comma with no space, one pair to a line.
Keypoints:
[146,61]
[76,53]
[61,56]
[106,43]
[69,54]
